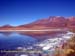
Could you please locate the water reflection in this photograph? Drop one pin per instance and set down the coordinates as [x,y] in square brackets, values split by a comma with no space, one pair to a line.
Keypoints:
[14,40]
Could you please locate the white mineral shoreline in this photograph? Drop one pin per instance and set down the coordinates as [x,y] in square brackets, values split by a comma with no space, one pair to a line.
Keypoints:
[34,30]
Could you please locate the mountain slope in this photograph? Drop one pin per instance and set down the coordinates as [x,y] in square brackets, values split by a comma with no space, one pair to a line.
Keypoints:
[52,22]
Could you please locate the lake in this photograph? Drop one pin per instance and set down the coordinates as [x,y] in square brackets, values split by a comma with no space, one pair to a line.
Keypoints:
[12,40]
[15,40]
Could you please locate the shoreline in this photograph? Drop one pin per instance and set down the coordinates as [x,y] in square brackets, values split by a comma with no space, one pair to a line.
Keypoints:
[34,30]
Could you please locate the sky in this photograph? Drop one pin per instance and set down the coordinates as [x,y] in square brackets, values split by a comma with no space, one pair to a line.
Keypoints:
[17,12]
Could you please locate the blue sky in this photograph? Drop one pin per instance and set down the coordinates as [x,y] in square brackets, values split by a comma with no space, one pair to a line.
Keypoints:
[17,12]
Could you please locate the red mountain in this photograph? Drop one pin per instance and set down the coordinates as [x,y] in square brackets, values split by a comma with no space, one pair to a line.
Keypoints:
[47,23]
[71,21]
[52,21]
[7,26]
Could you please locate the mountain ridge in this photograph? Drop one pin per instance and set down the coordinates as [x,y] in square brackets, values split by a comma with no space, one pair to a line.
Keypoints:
[46,23]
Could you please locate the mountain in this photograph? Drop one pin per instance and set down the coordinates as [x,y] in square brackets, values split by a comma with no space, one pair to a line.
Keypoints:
[7,26]
[52,22]
[47,23]
[57,21]
[71,21]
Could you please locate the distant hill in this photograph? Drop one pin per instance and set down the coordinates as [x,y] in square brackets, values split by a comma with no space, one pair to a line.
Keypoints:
[50,22]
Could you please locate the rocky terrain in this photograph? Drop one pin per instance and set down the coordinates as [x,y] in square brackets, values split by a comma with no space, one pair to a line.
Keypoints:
[67,49]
